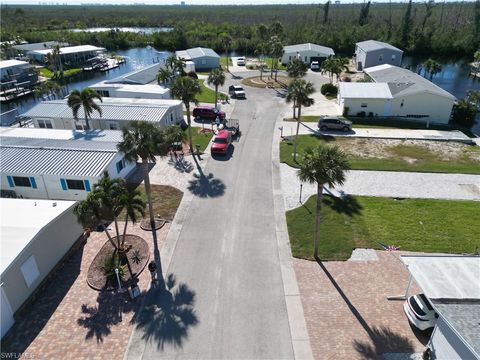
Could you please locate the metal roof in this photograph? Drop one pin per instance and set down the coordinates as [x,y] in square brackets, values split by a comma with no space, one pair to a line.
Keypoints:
[195,53]
[54,161]
[57,143]
[141,76]
[70,50]
[11,63]
[351,90]
[38,46]
[183,54]
[62,134]
[446,277]
[326,51]
[116,109]
[404,82]
[371,45]
[131,88]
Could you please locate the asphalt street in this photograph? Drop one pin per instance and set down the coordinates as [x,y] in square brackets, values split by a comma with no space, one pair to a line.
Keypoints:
[228,300]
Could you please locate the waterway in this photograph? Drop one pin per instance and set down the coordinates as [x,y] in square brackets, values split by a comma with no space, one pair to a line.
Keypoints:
[454,76]
[145,30]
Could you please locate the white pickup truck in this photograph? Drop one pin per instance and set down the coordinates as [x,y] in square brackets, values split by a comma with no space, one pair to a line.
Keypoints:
[236,92]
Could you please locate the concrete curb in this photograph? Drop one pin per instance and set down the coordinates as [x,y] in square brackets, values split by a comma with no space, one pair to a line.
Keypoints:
[296,319]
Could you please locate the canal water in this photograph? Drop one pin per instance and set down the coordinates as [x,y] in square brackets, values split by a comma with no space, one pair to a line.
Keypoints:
[454,76]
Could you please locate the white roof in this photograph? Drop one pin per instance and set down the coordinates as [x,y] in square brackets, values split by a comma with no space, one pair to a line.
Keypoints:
[371,45]
[325,51]
[70,49]
[446,277]
[61,134]
[10,63]
[351,90]
[132,88]
[21,220]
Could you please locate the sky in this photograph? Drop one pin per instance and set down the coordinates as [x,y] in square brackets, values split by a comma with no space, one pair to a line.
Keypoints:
[188,2]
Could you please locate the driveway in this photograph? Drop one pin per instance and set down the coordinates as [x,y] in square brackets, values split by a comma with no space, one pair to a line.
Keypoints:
[226,255]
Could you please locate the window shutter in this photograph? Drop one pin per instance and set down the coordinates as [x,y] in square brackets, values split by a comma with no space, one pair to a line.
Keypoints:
[33,182]
[64,184]
[118,167]
[10,181]
[87,185]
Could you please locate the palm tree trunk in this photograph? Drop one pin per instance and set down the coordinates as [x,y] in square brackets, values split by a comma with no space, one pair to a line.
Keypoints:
[87,122]
[109,237]
[124,231]
[216,95]
[226,50]
[294,103]
[117,230]
[189,121]
[271,69]
[318,219]
[261,73]
[148,190]
[276,69]
[296,134]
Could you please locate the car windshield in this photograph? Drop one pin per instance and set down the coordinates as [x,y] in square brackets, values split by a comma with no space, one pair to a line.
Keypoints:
[220,140]
[416,307]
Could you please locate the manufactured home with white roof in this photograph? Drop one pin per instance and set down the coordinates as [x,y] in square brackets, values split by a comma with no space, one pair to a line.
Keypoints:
[117,113]
[34,239]
[396,93]
[306,52]
[58,164]
[372,53]
[70,55]
[204,59]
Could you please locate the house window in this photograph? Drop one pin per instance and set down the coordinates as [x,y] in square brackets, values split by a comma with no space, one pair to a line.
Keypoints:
[75,184]
[394,56]
[171,117]
[380,58]
[80,125]
[306,58]
[30,271]
[364,105]
[45,124]
[289,58]
[22,181]
[113,125]
[401,104]
[120,165]
[204,62]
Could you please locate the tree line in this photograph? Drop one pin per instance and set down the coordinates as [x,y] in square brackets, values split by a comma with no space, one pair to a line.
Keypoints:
[449,29]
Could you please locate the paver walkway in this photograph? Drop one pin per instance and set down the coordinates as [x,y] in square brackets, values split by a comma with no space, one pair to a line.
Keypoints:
[69,320]
[346,310]
[388,184]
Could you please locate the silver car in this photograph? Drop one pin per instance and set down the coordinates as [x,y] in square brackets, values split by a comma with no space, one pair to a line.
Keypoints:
[334,123]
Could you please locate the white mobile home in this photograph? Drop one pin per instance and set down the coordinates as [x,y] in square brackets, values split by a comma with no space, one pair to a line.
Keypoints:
[117,113]
[70,55]
[396,93]
[46,166]
[306,52]
[204,59]
[36,235]
[148,91]
[16,73]
[372,53]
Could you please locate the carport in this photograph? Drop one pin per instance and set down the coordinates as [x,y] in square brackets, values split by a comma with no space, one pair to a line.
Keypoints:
[452,284]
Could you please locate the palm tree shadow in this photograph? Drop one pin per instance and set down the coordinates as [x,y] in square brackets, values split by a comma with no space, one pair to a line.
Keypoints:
[205,186]
[386,341]
[108,312]
[180,164]
[347,205]
[167,314]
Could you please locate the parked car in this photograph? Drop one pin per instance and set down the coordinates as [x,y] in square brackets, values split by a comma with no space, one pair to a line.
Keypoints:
[334,123]
[315,65]
[221,142]
[241,61]
[236,92]
[207,112]
[420,312]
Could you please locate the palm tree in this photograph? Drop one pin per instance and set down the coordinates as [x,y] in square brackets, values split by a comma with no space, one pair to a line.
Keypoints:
[186,89]
[133,204]
[143,140]
[276,51]
[298,93]
[217,78]
[84,99]
[226,41]
[324,165]
[297,68]
[163,76]
[174,134]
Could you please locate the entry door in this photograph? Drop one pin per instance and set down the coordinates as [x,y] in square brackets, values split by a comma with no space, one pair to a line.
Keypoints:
[7,314]
[387,108]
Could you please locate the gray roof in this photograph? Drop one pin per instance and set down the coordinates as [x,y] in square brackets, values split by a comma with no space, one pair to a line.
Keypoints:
[38,46]
[464,317]
[371,45]
[141,76]
[356,90]
[93,135]
[54,161]
[307,47]
[58,144]
[197,52]
[404,82]
[116,109]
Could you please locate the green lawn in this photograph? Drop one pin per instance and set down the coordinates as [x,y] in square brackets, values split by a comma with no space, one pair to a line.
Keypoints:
[223,61]
[413,224]
[398,158]
[45,72]
[305,118]
[207,95]
[268,61]
[200,138]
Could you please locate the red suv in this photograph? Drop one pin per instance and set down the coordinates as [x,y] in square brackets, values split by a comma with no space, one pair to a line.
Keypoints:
[221,142]
[207,112]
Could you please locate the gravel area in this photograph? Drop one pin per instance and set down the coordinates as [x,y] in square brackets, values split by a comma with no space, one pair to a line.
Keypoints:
[363,255]
[387,184]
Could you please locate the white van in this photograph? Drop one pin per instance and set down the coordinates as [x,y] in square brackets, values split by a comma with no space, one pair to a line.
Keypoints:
[315,66]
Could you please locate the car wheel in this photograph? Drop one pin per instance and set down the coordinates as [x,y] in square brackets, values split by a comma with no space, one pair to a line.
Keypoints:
[346,129]
[323,128]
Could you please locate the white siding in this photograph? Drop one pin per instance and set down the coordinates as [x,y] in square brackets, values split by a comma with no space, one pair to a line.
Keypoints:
[446,345]
[305,56]
[437,107]
[376,106]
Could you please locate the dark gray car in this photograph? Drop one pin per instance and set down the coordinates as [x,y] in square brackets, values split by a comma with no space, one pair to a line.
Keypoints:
[334,123]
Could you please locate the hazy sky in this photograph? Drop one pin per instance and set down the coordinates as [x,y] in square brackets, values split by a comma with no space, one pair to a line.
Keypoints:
[191,2]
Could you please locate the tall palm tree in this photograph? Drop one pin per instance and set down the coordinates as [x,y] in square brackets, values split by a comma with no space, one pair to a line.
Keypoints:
[84,99]
[174,134]
[323,165]
[298,93]
[297,68]
[226,41]
[276,51]
[217,78]
[164,75]
[134,205]
[143,140]
[186,89]
[55,56]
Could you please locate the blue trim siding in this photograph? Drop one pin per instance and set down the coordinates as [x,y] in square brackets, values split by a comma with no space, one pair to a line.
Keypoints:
[87,185]
[64,184]
[33,182]
[10,181]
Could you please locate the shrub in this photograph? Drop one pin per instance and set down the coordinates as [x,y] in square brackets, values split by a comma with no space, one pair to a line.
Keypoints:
[250,67]
[111,263]
[347,79]
[464,113]
[346,109]
[361,114]
[193,75]
[329,89]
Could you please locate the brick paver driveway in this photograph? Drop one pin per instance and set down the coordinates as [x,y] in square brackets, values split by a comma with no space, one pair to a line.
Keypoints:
[346,310]
[69,320]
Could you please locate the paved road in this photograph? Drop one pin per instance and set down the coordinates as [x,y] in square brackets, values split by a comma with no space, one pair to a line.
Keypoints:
[227,255]
[388,184]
